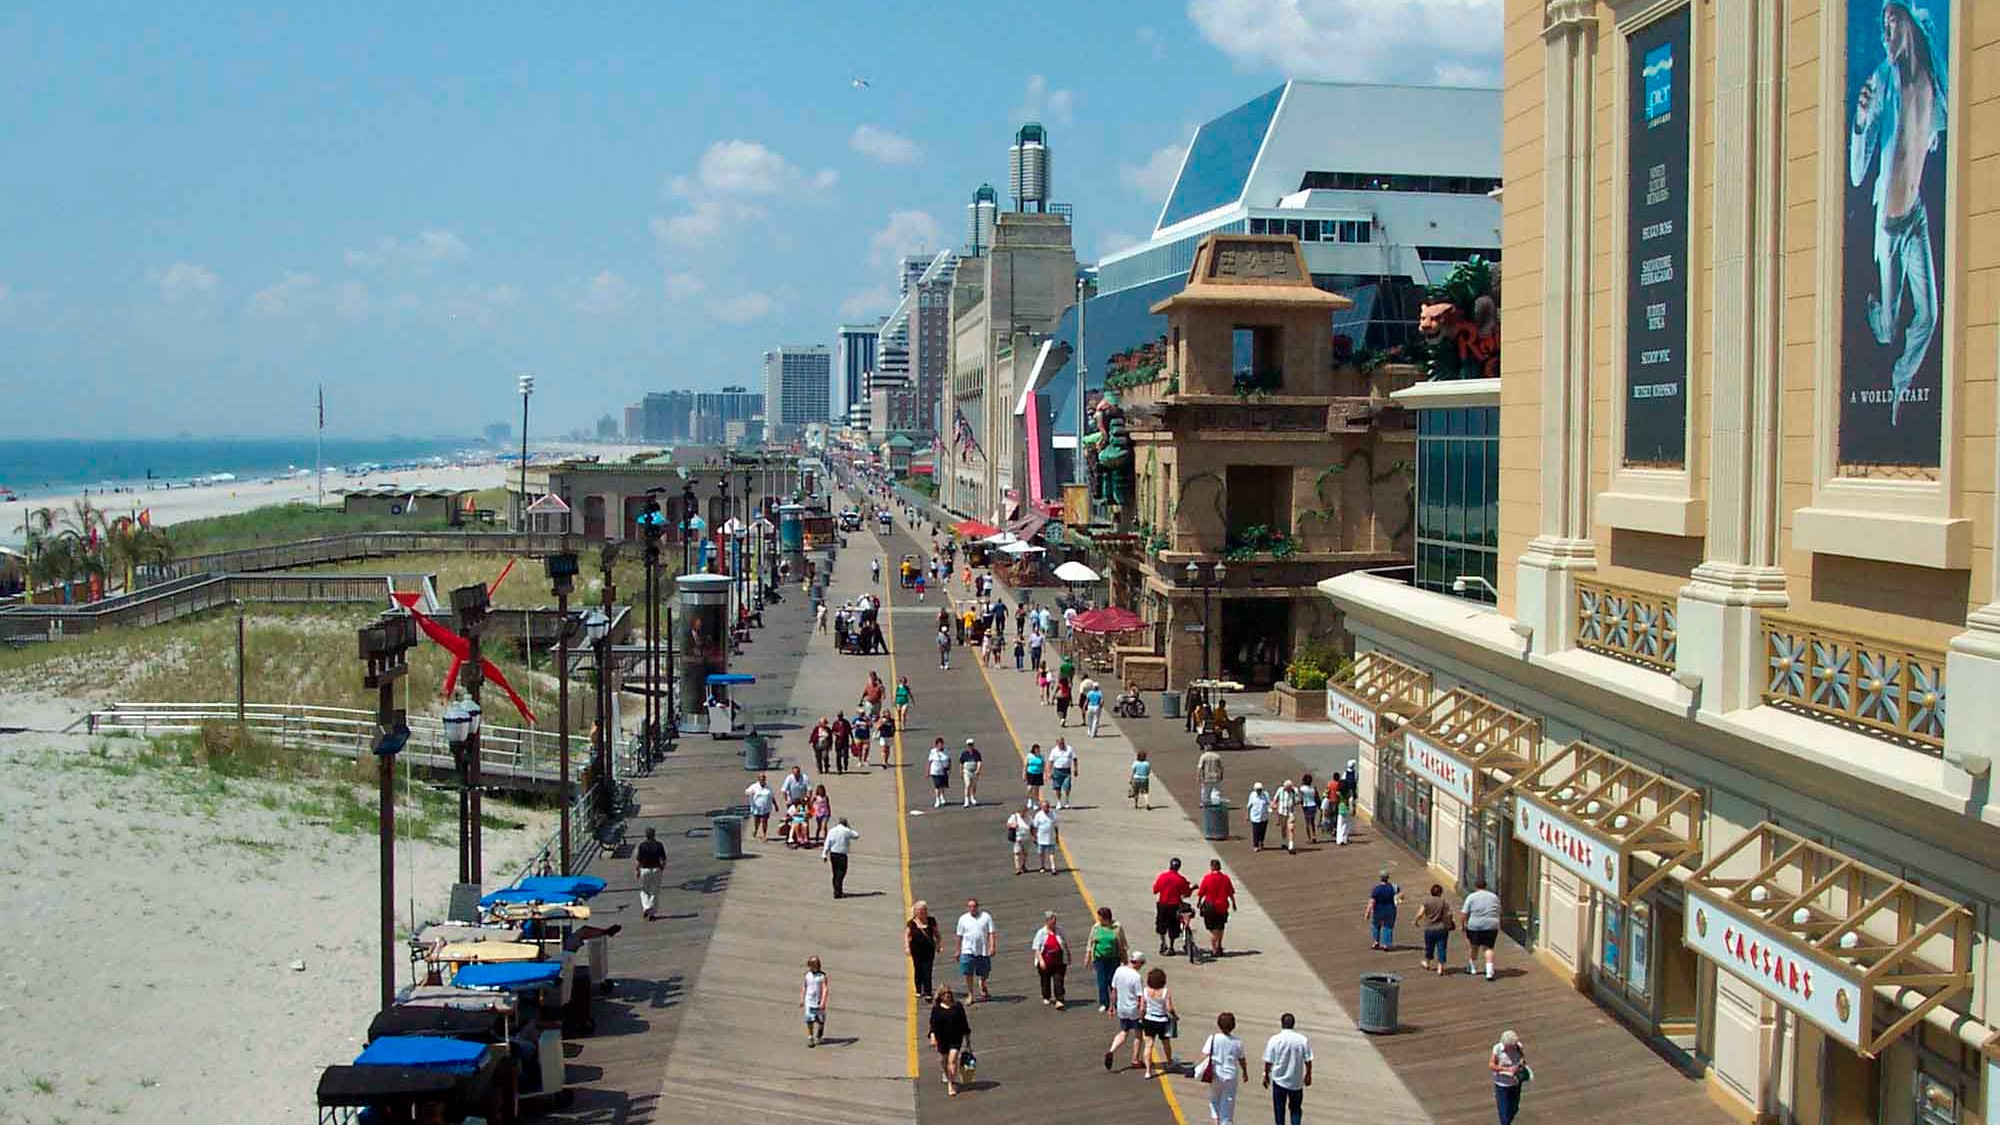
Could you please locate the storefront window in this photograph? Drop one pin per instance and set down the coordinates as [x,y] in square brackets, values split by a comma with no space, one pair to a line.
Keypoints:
[1624,955]
[1402,802]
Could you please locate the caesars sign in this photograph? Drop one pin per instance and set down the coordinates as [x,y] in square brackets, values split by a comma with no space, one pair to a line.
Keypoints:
[1819,990]
[1443,770]
[1354,716]
[1575,851]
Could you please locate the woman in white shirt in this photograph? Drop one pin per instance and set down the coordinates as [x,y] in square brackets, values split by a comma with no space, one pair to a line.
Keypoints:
[1223,1055]
[1259,809]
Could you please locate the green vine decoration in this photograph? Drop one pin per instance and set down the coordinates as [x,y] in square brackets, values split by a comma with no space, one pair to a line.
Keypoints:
[1399,468]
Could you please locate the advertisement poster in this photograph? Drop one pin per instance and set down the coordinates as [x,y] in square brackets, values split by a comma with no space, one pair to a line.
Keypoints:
[1656,217]
[1892,229]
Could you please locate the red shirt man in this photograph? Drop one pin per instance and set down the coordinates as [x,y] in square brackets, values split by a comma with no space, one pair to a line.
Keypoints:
[1216,897]
[1169,891]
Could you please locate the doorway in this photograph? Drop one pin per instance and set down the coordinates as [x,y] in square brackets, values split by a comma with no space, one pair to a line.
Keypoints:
[1254,644]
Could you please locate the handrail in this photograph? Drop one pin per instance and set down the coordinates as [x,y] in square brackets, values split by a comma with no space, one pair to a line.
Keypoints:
[362,545]
[183,597]
[1628,624]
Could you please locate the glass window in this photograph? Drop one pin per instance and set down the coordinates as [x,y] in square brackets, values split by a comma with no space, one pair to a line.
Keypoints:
[1218,163]
[1362,230]
[1243,352]
[1474,502]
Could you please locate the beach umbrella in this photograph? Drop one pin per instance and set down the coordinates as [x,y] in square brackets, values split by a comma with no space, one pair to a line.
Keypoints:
[1111,619]
[1001,538]
[1076,573]
[1017,549]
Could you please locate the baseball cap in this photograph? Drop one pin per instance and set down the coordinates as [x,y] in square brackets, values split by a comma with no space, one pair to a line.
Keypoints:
[1137,957]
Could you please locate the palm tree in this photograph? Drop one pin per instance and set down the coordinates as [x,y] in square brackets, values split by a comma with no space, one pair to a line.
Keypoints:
[128,546]
[86,526]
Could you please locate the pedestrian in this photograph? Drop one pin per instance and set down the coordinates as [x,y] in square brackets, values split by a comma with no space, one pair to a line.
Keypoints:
[1381,913]
[920,941]
[812,1001]
[1033,769]
[885,737]
[1434,916]
[821,741]
[1509,1064]
[904,697]
[1049,954]
[939,762]
[1066,671]
[1158,1020]
[1285,807]
[1221,1067]
[1215,897]
[651,860]
[1020,617]
[944,649]
[1199,715]
[819,617]
[760,799]
[951,1034]
[838,840]
[1020,654]
[1069,622]
[1063,697]
[1343,816]
[1309,807]
[796,786]
[1288,1070]
[843,741]
[821,808]
[875,571]
[1020,827]
[1480,914]
[1047,833]
[1170,890]
[1035,647]
[1208,773]
[1258,808]
[976,942]
[1128,997]
[920,586]
[1107,953]
[1093,707]
[1063,767]
[863,737]
[970,762]
[1141,788]
[1043,684]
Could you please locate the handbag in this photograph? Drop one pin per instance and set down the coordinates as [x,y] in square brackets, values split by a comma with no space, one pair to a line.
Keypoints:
[1525,1075]
[1204,1071]
[968,1063]
[1173,1027]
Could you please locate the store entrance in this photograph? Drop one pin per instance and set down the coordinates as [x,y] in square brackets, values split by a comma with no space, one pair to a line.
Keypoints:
[1851,1095]
[1402,802]
[1254,639]
[1490,852]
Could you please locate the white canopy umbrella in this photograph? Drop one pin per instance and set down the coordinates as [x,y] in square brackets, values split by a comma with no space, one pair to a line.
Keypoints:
[1074,571]
[1001,539]
[1018,549]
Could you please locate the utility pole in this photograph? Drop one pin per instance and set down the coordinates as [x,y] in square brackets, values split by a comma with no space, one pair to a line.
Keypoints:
[239,664]
[384,649]
[527,385]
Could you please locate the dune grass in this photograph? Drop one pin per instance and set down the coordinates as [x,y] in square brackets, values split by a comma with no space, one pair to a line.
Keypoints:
[283,523]
[527,587]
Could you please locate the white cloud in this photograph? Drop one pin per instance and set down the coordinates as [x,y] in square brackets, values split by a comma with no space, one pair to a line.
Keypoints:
[428,248]
[604,295]
[1112,241]
[681,286]
[1040,103]
[352,301]
[1459,74]
[1150,39]
[867,303]
[721,190]
[1155,178]
[284,295]
[740,309]
[906,232]
[883,145]
[184,281]
[1416,40]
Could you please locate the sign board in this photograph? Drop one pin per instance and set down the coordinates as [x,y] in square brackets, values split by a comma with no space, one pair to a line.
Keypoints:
[1196,627]
[1355,716]
[1657,218]
[1815,988]
[550,504]
[1578,852]
[1445,771]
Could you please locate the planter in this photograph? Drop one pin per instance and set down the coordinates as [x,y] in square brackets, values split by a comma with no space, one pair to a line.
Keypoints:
[1288,702]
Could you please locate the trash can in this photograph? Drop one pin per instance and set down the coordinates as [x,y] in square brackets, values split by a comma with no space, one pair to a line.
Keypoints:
[728,834]
[1215,821]
[756,753]
[1170,704]
[1379,996]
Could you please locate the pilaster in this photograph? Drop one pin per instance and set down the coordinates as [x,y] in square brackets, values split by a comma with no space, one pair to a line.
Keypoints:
[1722,631]
[1545,589]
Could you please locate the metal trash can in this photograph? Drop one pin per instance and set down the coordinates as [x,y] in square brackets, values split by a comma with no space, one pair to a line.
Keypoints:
[1380,993]
[728,834]
[1215,821]
[1170,704]
[756,752]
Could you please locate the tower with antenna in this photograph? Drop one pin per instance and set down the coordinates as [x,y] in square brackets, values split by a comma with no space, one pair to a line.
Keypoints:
[980,216]
[1028,167]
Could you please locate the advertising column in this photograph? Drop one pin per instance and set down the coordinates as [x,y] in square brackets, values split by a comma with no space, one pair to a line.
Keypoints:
[702,643]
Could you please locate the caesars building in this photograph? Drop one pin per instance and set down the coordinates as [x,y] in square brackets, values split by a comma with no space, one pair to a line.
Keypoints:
[1694,730]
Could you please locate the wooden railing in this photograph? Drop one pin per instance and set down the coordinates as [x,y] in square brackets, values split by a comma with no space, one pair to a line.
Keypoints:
[183,597]
[1856,681]
[1628,624]
[367,545]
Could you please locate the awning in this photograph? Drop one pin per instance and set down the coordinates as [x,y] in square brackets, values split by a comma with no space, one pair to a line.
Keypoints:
[1470,747]
[1377,692]
[1074,571]
[1590,812]
[1110,619]
[1018,549]
[1819,933]
[1000,539]
[973,529]
[1029,526]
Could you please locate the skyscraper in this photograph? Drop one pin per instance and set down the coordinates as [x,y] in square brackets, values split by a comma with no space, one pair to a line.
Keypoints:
[798,384]
[854,347]
[980,215]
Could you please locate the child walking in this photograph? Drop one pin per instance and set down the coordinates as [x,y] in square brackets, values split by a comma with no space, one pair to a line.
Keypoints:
[812,1000]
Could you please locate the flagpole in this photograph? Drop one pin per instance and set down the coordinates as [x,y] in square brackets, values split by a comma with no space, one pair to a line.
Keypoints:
[319,439]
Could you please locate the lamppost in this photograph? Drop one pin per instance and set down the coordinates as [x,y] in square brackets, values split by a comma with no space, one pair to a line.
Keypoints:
[1218,574]
[469,604]
[652,524]
[562,568]
[687,523]
[385,645]
[596,627]
[527,384]
[461,730]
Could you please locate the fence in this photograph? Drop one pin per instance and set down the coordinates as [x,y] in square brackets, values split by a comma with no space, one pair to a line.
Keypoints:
[182,597]
[368,545]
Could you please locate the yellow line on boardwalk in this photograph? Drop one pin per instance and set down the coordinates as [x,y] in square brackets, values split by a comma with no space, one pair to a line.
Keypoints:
[1062,843]
[902,820]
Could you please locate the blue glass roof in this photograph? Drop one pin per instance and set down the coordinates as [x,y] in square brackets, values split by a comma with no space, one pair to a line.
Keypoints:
[1113,323]
[1218,163]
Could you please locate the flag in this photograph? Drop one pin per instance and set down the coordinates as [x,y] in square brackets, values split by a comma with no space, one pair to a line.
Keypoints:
[146,518]
[322,406]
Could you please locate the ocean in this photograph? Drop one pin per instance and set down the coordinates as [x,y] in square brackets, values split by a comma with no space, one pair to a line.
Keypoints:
[36,467]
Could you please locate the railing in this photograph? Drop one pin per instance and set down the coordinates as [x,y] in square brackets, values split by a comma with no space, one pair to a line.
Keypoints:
[1856,681]
[182,597]
[364,545]
[505,753]
[584,840]
[1628,624]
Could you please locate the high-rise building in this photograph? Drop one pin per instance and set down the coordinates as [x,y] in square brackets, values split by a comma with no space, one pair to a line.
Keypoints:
[980,215]
[714,410]
[798,385]
[854,348]
[1028,168]
[666,415]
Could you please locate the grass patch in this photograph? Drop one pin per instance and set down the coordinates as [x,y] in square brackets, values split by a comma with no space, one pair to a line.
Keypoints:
[283,523]
[42,1084]
[527,587]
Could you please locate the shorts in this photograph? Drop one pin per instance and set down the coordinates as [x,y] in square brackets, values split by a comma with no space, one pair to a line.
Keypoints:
[1034,779]
[1166,919]
[1141,785]
[1481,939]
[1020,845]
[975,965]
[815,1015]
[940,781]
[1155,1028]
[1060,778]
[1214,920]
[1128,1025]
[1046,849]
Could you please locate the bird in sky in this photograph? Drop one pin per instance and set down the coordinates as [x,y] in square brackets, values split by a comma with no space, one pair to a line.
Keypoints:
[858,83]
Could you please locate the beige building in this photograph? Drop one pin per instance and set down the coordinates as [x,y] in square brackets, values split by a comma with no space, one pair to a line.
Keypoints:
[1746,421]
[605,499]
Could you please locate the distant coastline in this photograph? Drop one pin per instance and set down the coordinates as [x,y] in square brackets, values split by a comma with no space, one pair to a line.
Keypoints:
[36,468]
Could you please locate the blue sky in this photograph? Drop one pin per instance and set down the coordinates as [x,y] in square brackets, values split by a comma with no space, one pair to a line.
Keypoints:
[213,206]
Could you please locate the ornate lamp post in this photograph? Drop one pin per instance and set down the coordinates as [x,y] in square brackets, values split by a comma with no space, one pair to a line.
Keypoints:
[385,646]
[596,628]
[652,525]
[461,732]
[562,568]
[1218,574]
[470,604]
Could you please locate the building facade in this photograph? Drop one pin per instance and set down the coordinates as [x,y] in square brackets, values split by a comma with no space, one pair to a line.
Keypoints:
[714,410]
[1744,547]
[798,385]
[854,348]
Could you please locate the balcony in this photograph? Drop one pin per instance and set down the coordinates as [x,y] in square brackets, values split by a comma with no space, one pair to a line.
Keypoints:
[1626,624]
[1857,682]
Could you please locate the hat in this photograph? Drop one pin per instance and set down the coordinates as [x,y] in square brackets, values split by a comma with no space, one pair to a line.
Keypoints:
[1137,956]
[968,742]
[1256,785]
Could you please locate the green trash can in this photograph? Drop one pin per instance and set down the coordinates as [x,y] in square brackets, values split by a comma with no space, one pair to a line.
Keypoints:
[756,752]
[1215,821]
[1380,995]
[728,835]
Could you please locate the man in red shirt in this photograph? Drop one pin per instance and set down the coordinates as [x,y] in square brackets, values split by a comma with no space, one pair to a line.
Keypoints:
[1169,891]
[1215,898]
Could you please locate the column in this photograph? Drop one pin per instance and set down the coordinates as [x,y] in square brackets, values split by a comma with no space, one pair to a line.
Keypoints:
[1721,630]
[1545,574]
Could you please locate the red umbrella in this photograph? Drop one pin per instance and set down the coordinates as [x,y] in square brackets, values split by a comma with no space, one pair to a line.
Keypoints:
[1111,619]
[973,529]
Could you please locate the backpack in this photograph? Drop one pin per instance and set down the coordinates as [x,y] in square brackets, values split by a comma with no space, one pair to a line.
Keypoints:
[1052,951]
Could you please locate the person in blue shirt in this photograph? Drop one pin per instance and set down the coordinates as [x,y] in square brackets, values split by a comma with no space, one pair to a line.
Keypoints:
[1142,781]
[1381,913]
[1033,771]
[1093,708]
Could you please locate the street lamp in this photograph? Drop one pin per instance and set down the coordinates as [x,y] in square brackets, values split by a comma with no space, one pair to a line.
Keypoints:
[562,568]
[652,524]
[469,604]
[527,385]
[597,627]
[384,649]
[1218,574]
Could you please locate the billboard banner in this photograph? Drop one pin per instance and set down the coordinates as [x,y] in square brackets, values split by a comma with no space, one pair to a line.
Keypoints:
[1656,239]
[1893,290]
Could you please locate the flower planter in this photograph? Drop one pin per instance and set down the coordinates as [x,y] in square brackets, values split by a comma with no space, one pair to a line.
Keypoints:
[1288,702]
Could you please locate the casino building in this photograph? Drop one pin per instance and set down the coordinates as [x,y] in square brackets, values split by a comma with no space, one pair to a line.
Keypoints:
[1693,729]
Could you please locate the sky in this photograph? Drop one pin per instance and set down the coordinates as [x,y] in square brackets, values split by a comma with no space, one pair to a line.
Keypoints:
[213,207]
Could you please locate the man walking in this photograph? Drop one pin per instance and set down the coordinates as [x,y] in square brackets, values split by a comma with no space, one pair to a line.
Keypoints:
[944,649]
[760,800]
[821,741]
[1481,915]
[1020,828]
[976,942]
[1215,898]
[1288,1070]
[939,762]
[843,741]
[1170,889]
[1063,768]
[1208,772]
[1093,707]
[1047,832]
[652,864]
[1128,997]
[970,763]
[839,839]
[796,787]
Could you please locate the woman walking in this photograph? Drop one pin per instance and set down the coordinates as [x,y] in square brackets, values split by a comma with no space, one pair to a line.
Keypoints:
[904,697]
[1157,1019]
[822,813]
[1434,917]
[1309,807]
[1222,1057]
[1380,913]
[1063,697]
[951,1034]
[1049,953]
[1043,683]
[1142,781]
[885,738]
[1258,808]
[1033,770]
[1509,1064]
[1107,952]
[920,941]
